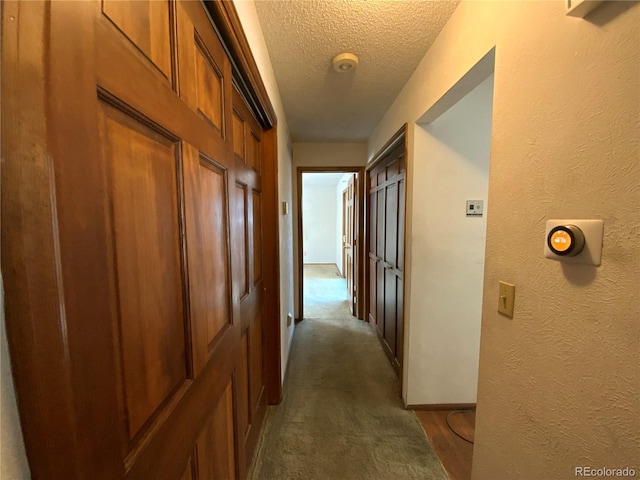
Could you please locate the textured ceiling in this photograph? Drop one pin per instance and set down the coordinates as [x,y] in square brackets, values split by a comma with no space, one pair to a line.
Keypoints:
[389,37]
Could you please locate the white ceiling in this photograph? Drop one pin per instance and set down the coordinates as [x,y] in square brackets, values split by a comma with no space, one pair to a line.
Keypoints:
[390,37]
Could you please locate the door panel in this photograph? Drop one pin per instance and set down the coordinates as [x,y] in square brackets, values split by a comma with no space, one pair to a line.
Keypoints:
[373,296]
[400,238]
[215,444]
[380,298]
[147,24]
[391,225]
[208,86]
[207,225]
[240,239]
[257,237]
[386,252]
[390,310]
[143,180]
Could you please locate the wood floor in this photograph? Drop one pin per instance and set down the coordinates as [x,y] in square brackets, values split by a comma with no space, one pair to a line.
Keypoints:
[455,454]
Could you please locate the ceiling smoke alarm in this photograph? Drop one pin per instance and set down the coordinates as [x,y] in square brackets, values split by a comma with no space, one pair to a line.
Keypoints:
[344,62]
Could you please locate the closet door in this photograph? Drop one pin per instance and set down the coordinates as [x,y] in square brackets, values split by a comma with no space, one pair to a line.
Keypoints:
[248,285]
[386,252]
[148,351]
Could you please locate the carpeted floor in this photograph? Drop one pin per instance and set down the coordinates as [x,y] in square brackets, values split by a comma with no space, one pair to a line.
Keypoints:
[342,416]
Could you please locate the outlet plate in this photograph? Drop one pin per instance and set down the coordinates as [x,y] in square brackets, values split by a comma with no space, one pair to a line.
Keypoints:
[474,208]
[506,298]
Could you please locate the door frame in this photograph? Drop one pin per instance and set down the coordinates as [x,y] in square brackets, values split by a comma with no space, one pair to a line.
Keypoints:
[359,281]
[398,138]
[344,231]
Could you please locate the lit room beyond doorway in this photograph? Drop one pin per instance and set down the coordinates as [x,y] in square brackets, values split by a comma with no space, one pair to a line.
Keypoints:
[328,257]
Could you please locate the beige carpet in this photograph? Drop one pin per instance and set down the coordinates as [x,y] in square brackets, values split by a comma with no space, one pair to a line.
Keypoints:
[341,417]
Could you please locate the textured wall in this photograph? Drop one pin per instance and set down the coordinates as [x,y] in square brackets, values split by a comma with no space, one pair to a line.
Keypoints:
[558,384]
[320,155]
[451,165]
[249,19]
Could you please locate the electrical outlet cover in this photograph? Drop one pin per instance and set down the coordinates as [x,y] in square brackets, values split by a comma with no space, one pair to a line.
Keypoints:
[474,208]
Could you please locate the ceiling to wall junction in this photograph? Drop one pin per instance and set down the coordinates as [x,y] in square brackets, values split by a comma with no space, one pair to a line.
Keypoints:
[389,37]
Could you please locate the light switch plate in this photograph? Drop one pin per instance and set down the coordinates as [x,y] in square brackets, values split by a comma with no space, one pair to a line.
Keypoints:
[506,298]
[285,208]
[593,231]
[474,208]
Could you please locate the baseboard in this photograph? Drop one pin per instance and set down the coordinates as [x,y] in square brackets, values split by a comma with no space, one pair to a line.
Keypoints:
[442,406]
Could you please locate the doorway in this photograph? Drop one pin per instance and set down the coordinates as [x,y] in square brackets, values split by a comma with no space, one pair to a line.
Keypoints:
[453,174]
[327,230]
[330,222]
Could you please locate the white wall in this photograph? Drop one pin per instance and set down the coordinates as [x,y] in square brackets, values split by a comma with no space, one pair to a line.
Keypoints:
[558,384]
[13,458]
[251,26]
[318,222]
[451,165]
[320,155]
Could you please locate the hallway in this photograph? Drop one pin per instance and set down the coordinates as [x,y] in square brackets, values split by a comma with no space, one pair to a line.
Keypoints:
[341,417]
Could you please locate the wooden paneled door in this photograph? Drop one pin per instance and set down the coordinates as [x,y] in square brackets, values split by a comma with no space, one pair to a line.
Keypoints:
[386,209]
[247,248]
[349,229]
[143,355]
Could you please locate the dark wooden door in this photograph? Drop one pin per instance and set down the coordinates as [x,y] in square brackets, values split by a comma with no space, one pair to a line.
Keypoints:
[349,241]
[386,252]
[156,247]
[247,248]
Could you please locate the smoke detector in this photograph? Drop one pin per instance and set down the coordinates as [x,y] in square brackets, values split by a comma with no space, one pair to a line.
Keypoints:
[344,62]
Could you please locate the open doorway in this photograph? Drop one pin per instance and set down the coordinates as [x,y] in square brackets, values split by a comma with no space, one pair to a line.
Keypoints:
[329,223]
[448,266]
[327,240]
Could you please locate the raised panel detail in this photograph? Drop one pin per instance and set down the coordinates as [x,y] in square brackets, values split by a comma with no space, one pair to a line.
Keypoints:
[147,24]
[243,383]
[241,243]
[253,151]
[257,237]
[209,88]
[391,226]
[380,204]
[238,136]
[255,351]
[215,444]
[215,298]
[143,171]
